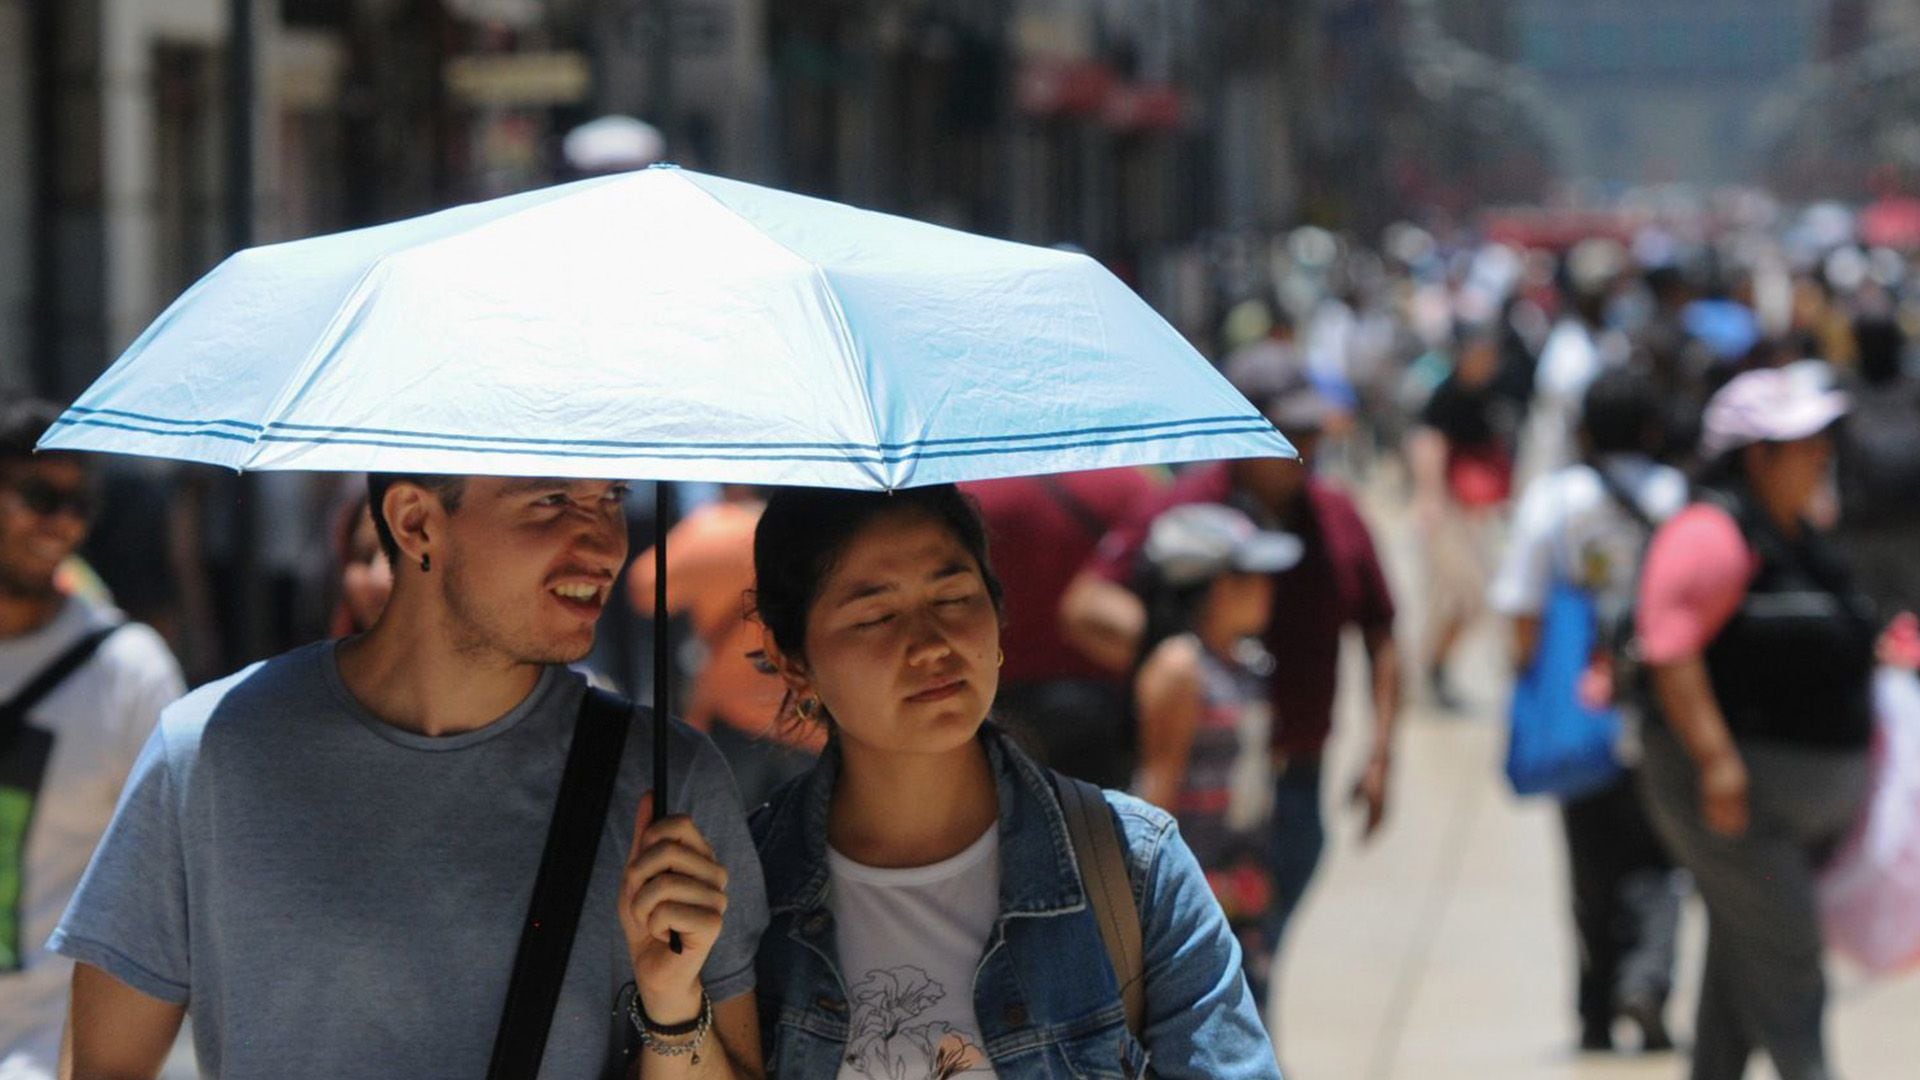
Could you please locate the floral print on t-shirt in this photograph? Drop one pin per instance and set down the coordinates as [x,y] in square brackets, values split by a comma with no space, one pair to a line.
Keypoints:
[885,1045]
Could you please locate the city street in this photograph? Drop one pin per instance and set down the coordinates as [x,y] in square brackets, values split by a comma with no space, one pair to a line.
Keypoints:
[1444,951]
[438,330]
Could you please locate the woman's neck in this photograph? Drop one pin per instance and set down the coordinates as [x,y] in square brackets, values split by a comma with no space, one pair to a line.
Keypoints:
[893,809]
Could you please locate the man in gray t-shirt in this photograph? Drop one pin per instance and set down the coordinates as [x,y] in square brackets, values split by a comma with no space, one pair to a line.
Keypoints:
[326,858]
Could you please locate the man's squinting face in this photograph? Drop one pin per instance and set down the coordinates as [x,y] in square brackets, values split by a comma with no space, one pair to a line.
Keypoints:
[527,565]
[903,640]
[43,519]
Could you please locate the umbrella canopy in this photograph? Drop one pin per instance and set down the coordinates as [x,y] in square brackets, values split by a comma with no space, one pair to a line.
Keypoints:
[668,325]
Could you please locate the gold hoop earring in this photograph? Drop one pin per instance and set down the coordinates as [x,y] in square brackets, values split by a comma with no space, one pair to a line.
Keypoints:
[1003,659]
[807,707]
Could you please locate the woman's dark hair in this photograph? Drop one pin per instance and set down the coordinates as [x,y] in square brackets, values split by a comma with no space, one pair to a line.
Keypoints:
[804,532]
[1621,413]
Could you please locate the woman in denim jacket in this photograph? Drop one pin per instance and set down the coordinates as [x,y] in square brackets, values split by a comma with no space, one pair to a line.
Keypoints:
[928,919]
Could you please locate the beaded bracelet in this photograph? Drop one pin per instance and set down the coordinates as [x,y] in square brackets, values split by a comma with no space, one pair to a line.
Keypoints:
[651,1034]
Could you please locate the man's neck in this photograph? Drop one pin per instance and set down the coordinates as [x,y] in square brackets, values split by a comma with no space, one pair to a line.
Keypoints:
[904,810]
[407,673]
[21,615]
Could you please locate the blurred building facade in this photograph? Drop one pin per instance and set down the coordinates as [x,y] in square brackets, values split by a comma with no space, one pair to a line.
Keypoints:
[1849,125]
[1665,89]
[1139,130]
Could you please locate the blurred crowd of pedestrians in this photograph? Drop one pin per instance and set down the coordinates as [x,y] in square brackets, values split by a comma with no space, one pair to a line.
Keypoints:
[1705,436]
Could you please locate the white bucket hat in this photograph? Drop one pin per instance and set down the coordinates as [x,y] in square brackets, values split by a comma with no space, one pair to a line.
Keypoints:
[1768,405]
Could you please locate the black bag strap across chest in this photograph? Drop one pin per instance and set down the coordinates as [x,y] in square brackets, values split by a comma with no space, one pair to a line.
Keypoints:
[560,889]
[13,712]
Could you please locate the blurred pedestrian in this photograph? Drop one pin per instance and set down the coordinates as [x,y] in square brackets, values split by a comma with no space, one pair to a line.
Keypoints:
[1580,346]
[930,916]
[1461,458]
[1073,713]
[1761,653]
[82,688]
[1205,723]
[1879,469]
[1338,583]
[710,580]
[1586,528]
[365,575]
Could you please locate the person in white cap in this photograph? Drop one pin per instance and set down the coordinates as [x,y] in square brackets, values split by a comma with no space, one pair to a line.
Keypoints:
[1583,530]
[1201,696]
[1761,654]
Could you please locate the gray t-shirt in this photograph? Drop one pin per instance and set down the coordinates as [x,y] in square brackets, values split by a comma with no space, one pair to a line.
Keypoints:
[333,896]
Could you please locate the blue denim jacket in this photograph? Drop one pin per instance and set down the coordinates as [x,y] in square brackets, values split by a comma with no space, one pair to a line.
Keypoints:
[1044,994]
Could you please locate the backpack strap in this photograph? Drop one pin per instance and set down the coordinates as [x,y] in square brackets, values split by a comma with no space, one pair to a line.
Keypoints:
[560,889]
[1623,498]
[1103,876]
[14,712]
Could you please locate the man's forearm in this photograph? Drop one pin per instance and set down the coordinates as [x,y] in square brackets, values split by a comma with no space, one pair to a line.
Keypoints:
[1384,656]
[1686,697]
[714,1063]
[1103,620]
[1526,642]
[730,1050]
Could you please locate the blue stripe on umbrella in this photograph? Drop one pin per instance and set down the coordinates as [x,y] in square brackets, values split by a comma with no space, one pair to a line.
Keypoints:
[557,448]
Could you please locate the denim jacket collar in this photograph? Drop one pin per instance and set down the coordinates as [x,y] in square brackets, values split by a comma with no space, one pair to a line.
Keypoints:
[1033,837]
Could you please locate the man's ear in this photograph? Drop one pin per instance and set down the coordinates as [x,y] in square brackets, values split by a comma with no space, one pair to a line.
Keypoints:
[415,518]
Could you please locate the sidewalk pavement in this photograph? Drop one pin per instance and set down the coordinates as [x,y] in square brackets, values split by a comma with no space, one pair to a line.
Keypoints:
[1444,949]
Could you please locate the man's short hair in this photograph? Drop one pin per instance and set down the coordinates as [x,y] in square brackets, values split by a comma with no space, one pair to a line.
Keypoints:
[448,488]
[23,420]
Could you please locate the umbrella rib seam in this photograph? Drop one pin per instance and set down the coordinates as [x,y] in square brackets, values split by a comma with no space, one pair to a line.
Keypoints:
[849,355]
[327,345]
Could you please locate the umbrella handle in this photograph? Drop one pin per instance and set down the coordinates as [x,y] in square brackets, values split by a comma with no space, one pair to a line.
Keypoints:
[662,667]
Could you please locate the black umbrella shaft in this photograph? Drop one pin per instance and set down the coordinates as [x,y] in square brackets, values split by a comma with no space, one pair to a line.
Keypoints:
[662,667]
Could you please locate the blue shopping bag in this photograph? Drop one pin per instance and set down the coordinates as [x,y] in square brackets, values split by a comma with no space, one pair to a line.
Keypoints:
[1557,745]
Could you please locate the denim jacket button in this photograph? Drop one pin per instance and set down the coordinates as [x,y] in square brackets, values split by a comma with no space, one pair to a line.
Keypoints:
[1016,1015]
[830,1003]
[817,923]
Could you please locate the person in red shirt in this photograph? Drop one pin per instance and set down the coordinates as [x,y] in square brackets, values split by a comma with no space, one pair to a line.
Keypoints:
[1042,529]
[710,580]
[1337,583]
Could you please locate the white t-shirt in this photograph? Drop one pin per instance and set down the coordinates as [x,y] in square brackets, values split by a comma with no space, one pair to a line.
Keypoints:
[1568,528]
[910,941]
[99,718]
